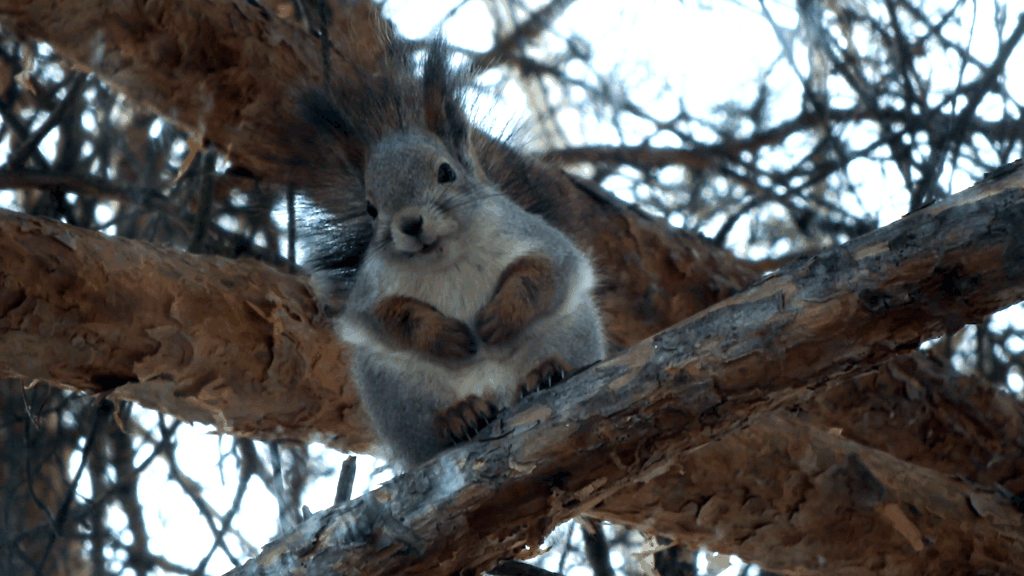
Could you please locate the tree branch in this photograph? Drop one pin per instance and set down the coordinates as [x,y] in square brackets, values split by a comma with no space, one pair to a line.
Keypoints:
[914,415]
[233,343]
[717,383]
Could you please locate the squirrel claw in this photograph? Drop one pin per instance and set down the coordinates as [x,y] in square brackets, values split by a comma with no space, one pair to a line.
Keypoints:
[553,378]
[549,372]
[465,418]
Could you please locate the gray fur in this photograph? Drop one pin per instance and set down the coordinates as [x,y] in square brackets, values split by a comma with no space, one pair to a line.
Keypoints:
[467,232]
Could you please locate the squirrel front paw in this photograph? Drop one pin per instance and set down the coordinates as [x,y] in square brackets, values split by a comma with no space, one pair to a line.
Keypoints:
[465,418]
[452,340]
[526,290]
[495,325]
[412,323]
[549,372]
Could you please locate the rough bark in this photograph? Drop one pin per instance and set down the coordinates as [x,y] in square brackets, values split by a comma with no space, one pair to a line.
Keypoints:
[695,425]
[754,491]
[233,343]
[226,70]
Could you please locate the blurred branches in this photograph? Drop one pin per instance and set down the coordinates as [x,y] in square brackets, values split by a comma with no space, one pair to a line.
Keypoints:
[83,154]
[875,88]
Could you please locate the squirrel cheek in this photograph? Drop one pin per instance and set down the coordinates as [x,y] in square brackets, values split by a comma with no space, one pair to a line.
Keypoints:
[437,227]
[443,226]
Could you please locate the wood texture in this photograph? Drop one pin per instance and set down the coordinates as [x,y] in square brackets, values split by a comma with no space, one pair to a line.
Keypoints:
[721,382]
[232,343]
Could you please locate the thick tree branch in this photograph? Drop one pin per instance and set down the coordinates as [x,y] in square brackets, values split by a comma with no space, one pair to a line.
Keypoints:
[233,343]
[717,383]
[912,410]
[99,313]
[191,343]
[225,70]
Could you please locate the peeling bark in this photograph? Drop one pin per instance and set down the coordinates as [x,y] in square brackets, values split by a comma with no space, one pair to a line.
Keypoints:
[226,71]
[802,500]
[925,430]
[233,343]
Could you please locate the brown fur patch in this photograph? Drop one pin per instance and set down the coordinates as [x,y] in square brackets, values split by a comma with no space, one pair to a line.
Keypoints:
[412,323]
[549,372]
[465,418]
[526,290]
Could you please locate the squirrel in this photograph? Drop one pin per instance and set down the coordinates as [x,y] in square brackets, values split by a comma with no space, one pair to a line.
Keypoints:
[463,302]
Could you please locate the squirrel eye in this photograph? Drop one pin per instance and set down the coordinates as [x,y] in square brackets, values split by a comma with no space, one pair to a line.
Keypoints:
[445,173]
[371,210]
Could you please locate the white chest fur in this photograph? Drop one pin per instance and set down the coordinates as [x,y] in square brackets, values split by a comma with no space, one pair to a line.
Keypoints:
[462,289]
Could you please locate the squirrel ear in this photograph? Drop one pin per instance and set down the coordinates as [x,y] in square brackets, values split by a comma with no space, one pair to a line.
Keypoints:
[321,112]
[442,105]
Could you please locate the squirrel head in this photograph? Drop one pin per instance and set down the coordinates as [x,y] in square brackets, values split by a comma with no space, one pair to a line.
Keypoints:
[421,197]
[397,144]
[407,140]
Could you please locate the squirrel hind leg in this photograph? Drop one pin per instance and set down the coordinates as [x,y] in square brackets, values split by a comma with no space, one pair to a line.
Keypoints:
[546,374]
[462,420]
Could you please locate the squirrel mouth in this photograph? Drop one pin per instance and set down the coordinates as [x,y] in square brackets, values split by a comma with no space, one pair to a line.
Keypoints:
[430,248]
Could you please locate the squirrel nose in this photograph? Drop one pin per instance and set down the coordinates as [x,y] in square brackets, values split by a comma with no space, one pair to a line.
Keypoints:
[411,226]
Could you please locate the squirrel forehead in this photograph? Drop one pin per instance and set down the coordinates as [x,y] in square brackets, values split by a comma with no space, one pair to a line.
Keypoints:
[408,149]
[404,157]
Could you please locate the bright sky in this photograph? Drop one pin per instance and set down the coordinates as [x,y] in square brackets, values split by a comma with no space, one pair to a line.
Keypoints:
[662,48]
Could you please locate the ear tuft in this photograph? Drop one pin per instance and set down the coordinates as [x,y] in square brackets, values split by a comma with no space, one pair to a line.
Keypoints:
[442,102]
